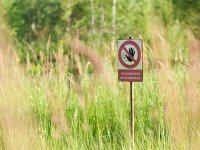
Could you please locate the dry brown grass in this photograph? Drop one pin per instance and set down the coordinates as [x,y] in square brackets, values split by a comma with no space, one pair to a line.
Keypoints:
[182,109]
[86,51]
[57,107]
[169,90]
[192,93]
[16,122]
[102,71]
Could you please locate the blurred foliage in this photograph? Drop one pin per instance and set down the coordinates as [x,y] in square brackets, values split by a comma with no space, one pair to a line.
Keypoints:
[164,10]
[34,21]
[188,12]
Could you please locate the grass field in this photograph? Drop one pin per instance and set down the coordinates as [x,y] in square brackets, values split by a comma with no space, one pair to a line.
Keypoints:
[55,111]
[74,101]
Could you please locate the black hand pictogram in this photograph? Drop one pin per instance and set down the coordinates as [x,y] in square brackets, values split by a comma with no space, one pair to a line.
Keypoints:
[132,53]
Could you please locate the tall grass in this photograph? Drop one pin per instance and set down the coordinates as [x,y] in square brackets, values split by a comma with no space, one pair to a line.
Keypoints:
[74,101]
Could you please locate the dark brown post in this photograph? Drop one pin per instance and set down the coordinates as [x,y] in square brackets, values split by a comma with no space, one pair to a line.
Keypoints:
[132,111]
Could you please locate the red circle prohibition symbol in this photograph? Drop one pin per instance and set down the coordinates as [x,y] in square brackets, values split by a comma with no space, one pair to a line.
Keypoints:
[123,47]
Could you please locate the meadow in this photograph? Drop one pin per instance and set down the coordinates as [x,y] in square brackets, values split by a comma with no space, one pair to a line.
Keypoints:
[62,91]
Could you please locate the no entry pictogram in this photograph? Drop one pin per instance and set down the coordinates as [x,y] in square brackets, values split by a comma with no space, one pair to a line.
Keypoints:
[130,66]
[128,56]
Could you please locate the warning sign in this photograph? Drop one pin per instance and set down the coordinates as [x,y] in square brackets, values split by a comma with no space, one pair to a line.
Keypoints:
[130,60]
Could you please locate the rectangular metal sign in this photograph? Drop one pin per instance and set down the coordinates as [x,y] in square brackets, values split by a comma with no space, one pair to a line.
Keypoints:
[130,60]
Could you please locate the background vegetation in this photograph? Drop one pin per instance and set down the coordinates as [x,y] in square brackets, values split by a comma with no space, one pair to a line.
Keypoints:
[58,74]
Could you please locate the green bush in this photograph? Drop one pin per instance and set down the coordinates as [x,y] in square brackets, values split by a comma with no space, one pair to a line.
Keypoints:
[35,19]
[187,12]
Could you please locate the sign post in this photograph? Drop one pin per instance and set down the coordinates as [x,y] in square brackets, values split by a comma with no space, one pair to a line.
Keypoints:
[132,114]
[130,69]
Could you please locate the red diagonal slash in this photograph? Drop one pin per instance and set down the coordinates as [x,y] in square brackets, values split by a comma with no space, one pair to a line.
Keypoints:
[132,58]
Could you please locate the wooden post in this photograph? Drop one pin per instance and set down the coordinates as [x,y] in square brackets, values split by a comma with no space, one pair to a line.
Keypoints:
[132,113]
